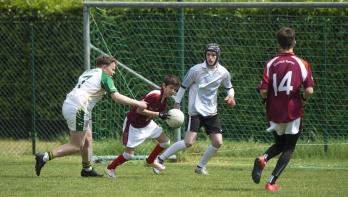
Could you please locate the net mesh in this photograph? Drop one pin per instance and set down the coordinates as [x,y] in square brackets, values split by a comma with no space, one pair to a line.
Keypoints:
[42,60]
[148,41]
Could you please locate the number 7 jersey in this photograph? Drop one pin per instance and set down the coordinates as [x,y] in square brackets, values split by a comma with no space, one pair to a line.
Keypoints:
[90,88]
[282,78]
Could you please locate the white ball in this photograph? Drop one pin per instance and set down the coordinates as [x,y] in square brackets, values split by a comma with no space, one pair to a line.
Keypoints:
[176,118]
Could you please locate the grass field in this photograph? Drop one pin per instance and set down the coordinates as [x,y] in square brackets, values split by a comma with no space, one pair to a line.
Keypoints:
[229,176]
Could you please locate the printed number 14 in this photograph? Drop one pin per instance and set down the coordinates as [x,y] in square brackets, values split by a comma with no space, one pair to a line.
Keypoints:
[284,85]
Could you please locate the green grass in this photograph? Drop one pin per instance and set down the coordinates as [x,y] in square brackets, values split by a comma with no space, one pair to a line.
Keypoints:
[337,150]
[229,176]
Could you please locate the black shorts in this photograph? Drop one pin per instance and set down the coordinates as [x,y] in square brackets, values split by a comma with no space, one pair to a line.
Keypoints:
[211,124]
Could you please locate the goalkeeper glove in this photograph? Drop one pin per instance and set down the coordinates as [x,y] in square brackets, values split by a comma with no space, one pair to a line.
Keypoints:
[163,115]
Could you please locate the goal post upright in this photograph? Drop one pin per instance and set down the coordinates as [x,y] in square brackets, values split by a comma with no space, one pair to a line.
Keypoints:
[86,38]
[180,6]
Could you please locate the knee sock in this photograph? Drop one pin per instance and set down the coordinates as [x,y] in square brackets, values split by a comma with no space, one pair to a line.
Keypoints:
[157,150]
[119,160]
[209,153]
[176,147]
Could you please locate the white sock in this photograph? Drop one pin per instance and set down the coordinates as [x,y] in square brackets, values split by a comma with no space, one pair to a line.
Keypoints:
[176,147]
[46,157]
[209,153]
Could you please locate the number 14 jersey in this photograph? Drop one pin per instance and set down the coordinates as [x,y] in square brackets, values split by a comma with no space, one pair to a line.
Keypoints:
[282,78]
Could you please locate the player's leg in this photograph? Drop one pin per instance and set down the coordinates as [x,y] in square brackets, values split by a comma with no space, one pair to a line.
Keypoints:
[283,161]
[272,151]
[76,140]
[291,136]
[122,158]
[153,131]
[163,143]
[156,132]
[190,138]
[119,160]
[131,138]
[152,159]
[213,128]
[76,143]
[86,155]
[275,149]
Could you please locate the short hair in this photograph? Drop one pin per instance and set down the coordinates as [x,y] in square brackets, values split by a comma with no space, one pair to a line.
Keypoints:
[171,80]
[286,37]
[104,60]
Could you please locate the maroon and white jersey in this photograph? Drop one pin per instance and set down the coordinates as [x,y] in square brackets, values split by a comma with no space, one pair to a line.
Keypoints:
[282,78]
[153,100]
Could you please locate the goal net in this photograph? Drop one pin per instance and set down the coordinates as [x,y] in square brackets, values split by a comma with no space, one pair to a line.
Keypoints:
[157,40]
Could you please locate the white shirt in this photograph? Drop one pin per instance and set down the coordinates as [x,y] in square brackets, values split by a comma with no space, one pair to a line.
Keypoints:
[90,88]
[203,84]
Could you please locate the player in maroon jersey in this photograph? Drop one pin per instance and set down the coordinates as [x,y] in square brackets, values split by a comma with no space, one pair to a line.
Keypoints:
[139,126]
[281,83]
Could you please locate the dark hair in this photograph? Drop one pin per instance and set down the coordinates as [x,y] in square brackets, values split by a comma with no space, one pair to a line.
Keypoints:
[104,60]
[286,37]
[171,80]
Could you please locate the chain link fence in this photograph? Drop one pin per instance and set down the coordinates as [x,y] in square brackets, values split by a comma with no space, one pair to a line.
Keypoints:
[41,63]
[42,60]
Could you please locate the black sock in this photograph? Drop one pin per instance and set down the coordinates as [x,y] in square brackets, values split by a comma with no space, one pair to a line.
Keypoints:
[272,179]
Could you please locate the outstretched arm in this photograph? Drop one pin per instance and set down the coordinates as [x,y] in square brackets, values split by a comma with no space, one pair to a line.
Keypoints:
[119,98]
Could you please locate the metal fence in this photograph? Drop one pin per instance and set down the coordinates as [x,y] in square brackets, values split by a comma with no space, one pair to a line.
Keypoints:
[42,60]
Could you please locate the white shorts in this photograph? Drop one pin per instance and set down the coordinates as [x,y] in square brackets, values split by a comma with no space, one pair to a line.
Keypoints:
[292,127]
[132,137]
[77,119]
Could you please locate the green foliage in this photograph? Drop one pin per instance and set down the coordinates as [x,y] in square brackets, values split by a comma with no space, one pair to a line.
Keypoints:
[62,9]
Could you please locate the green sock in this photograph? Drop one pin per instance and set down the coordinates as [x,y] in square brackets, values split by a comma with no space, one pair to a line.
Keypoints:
[50,155]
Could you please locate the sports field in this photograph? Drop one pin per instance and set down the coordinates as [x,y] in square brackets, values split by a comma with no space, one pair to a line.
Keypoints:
[229,176]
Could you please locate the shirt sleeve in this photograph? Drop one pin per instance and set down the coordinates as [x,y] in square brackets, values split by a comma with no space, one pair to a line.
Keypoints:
[308,82]
[227,80]
[188,79]
[264,81]
[107,83]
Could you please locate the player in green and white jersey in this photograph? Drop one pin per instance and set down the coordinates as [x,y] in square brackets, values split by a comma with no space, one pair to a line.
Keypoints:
[77,110]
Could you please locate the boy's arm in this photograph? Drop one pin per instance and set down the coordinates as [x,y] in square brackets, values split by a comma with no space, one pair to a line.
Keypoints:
[119,98]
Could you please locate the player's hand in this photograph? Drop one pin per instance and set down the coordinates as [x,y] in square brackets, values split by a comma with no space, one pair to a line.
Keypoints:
[142,104]
[176,106]
[163,115]
[303,98]
[230,101]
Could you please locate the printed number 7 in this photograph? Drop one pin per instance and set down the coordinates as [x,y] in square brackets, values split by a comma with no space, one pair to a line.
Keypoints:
[282,87]
[85,78]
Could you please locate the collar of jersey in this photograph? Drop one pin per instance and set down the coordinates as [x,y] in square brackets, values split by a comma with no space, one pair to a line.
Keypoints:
[205,65]
[286,54]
